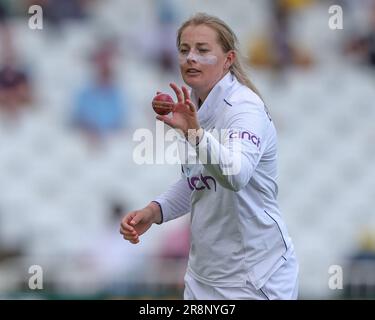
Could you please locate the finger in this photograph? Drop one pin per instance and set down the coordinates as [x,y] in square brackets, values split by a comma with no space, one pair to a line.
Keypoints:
[132,240]
[186,93]
[181,108]
[136,219]
[127,232]
[191,105]
[166,120]
[125,223]
[130,236]
[126,227]
[178,92]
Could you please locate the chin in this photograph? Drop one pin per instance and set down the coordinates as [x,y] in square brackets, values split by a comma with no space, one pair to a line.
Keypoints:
[193,83]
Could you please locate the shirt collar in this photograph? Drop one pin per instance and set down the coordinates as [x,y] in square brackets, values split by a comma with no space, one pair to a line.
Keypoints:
[209,108]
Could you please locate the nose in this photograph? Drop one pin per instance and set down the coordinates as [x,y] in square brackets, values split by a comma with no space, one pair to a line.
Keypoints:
[191,57]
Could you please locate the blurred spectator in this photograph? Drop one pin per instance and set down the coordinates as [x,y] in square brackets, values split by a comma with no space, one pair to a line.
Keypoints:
[9,253]
[4,29]
[100,106]
[294,4]
[363,46]
[15,90]
[158,41]
[173,255]
[110,260]
[15,85]
[361,266]
[176,244]
[3,13]
[277,50]
[7,250]
[166,52]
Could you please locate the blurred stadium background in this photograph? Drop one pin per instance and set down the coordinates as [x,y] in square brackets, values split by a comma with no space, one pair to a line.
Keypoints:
[73,93]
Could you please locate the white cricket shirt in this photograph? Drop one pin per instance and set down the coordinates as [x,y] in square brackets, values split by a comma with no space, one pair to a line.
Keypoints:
[237,232]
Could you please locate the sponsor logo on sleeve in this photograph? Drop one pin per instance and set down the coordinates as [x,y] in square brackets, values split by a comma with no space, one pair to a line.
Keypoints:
[246,135]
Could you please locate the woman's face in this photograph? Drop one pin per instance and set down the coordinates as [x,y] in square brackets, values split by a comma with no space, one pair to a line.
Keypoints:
[202,60]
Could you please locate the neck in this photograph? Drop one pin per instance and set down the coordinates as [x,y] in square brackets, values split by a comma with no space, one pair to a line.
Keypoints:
[200,102]
[202,97]
[202,94]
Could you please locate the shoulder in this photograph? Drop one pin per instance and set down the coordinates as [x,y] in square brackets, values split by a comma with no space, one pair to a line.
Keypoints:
[243,101]
[241,94]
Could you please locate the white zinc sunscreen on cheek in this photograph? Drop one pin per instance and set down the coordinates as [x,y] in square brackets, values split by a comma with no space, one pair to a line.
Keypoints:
[206,59]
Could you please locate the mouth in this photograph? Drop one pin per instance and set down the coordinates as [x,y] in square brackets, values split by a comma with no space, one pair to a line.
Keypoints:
[192,71]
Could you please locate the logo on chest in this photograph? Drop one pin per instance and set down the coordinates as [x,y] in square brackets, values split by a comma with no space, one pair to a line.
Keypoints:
[201,182]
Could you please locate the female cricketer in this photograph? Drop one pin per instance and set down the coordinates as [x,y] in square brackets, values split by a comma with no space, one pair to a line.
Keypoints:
[240,247]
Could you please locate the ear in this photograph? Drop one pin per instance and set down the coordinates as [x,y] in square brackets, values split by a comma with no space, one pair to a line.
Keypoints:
[231,56]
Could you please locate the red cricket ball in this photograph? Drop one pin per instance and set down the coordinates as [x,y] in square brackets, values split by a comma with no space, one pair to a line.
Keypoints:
[160,109]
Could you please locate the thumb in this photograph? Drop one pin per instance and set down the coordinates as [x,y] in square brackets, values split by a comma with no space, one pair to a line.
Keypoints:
[166,120]
[136,219]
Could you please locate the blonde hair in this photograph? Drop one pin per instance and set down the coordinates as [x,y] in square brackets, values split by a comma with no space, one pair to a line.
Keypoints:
[228,41]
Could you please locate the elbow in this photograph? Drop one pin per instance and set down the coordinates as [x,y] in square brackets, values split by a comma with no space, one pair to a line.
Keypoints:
[239,186]
[234,182]
[238,179]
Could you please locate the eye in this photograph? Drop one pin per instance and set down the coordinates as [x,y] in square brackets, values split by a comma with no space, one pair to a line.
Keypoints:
[183,51]
[203,50]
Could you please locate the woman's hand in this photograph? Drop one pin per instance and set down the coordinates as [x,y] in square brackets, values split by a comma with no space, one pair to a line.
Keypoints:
[137,222]
[184,114]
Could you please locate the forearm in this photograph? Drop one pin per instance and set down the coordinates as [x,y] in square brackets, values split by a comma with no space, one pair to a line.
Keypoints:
[175,202]
[155,210]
